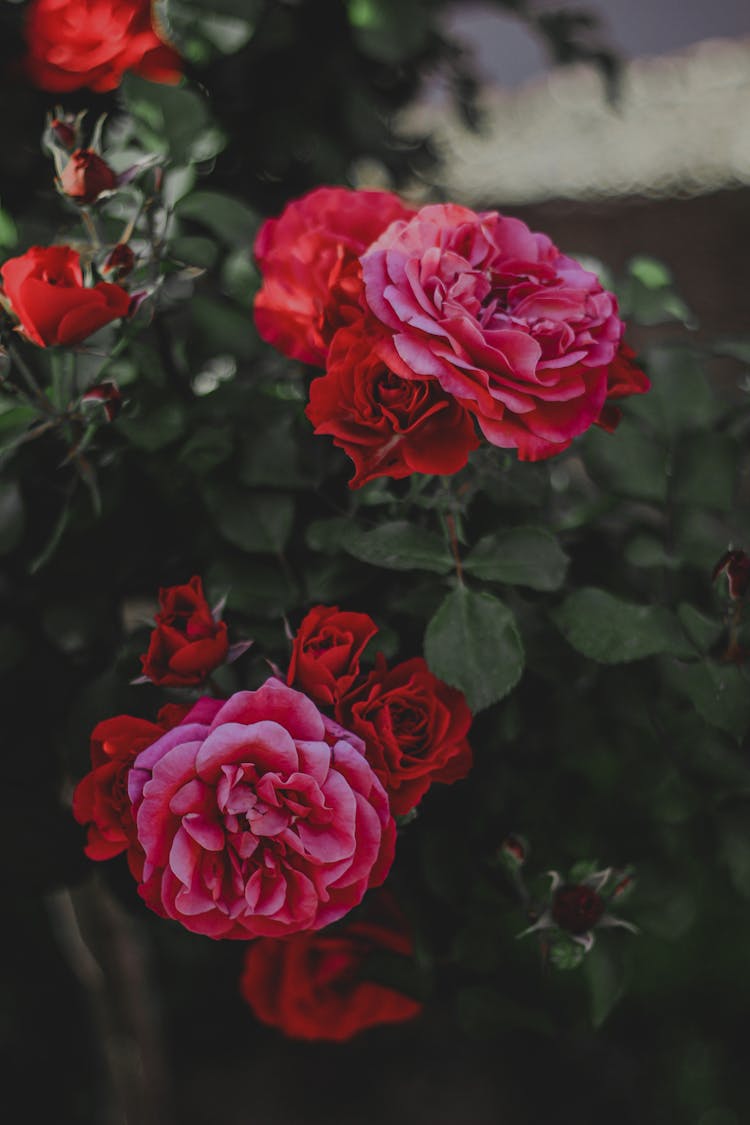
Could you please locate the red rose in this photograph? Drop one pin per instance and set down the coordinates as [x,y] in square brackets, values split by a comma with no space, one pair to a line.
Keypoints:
[45,290]
[388,425]
[326,651]
[101,798]
[414,727]
[624,377]
[119,262]
[187,643]
[309,259]
[86,176]
[74,43]
[314,986]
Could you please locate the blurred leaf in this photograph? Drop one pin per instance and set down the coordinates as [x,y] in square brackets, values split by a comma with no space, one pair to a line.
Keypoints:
[327,535]
[720,693]
[648,296]
[223,328]
[472,643]
[206,448]
[399,546]
[483,1011]
[705,471]
[523,556]
[155,429]
[612,631]
[14,423]
[271,456]
[8,231]
[12,518]
[253,586]
[14,646]
[734,848]
[390,31]
[680,398]
[172,120]
[194,251]
[628,462]
[606,980]
[648,551]
[564,953]
[228,218]
[703,631]
[256,522]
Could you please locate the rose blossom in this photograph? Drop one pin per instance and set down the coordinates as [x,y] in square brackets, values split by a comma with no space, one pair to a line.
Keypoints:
[519,334]
[259,817]
[624,377]
[414,727]
[74,43]
[44,288]
[86,176]
[314,986]
[309,259]
[326,651]
[101,800]
[187,643]
[388,425]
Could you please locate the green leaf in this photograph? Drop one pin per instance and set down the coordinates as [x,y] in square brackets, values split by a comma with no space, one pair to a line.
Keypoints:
[680,398]
[606,979]
[628,462]
[12,518]
[194,251]
[720,693]
[157,428]
[703,631]
[472,643]
[222,328]
[483,1012]
[327,535]
[253,586]
[228,218]
[206,448]
[8,231]
[256,522]
[646,550]
[399,546]
[523,556]
[611,631]
[172,120]
[704,471]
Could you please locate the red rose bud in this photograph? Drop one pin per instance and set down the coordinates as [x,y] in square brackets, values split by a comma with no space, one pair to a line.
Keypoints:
[736,566]
[187,644]
[119,262]
[513,851]
[64,131]
[86,176]
[106,395]
[624,885]
[577,908]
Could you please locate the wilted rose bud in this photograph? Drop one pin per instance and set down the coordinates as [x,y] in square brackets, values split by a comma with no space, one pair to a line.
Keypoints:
[119,262]
[577,908]
[736,566]
[106,395]
[86,176]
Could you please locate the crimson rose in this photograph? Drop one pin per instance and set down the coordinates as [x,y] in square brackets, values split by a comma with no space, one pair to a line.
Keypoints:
[258,816]
[309,259]
[624,377]
[388,425]
[45,290]
[86,176]
[414,727]
[74,43]
[187,643]
[326,651]
[314,986]
[101,797]
[519,334]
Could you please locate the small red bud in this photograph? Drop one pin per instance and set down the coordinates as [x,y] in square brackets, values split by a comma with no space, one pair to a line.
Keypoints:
[736,566]
[64,132]
[119,261]
[106,395]
[513,851]
[577,908]
[86,176]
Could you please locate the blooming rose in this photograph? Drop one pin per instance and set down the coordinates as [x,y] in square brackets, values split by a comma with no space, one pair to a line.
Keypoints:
[44,288]
[521,335]
[388,425]
[414,727]
[101,797]
[624,377]
[312,986]
[326,651]
[309,259]
[187,643]
[259,817]
[74,43]
[86,176]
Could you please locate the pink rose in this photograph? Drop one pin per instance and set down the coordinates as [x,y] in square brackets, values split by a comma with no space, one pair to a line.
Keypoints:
[519,334]
[309,259]
[258,816]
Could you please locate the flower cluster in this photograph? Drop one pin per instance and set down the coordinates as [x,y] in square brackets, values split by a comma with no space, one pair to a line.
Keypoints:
[271,813]
[434,322]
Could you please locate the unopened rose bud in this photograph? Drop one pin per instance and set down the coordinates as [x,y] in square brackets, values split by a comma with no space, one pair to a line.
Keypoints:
[119,262]
[106,395]
[64,132]
[736,566]
[577,908]
[513,851]
[86,176]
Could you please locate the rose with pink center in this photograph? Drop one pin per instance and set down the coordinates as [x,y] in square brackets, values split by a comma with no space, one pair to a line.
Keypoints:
[519,334]
[259,816]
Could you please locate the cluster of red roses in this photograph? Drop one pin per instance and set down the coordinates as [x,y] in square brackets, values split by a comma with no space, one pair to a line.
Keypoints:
[428,321]
[269,815]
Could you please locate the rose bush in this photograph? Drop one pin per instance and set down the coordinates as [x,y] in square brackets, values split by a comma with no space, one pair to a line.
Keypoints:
[414,727]
[309,259]
[259,816]
[325,654]
[44,289]
[314,985]
[187,643]
[388,425]
[74,43]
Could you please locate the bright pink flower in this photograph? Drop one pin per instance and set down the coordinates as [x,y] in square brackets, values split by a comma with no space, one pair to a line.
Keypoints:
[258,816]
[309,259]
[519,334]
